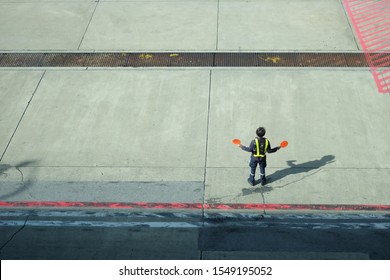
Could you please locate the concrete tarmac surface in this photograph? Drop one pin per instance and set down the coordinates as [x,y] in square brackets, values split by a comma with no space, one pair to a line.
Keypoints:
[163,135]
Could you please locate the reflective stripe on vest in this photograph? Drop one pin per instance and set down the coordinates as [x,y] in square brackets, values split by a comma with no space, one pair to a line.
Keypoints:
[258,148]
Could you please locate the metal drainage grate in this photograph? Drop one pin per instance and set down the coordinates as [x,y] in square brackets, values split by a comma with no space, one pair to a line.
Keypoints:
[20,60]
[194,59]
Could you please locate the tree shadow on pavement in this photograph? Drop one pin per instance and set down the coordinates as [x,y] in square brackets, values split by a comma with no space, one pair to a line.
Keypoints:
[293,169]
[24,184]
[4,168]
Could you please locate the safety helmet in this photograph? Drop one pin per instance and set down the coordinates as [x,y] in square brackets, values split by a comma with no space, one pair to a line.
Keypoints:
[260,131]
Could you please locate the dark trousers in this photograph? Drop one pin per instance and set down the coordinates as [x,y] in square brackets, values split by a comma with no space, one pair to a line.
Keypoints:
[262,162]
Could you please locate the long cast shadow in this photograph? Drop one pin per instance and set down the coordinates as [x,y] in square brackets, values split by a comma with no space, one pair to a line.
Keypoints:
[301,168]
[24,184]
[293,169]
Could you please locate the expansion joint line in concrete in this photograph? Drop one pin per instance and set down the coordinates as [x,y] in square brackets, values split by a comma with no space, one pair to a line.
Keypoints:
[349,24]
[90,20]
[207,141]
[21,118]
[217,39]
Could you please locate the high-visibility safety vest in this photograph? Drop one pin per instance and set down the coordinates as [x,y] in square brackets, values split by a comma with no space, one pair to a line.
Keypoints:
[261,148]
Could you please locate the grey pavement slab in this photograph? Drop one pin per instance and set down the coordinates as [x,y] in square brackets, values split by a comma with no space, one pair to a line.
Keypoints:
[32,170]
[16,90]
[41,25]
[153,25]
[317,186]
[114,191]
[334,122]
[172,25]
[131,118]
[284,25]
[323,112]
[174,128]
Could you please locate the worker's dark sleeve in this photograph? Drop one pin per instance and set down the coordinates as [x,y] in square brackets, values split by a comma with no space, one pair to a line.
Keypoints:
[271,150]
[250,148]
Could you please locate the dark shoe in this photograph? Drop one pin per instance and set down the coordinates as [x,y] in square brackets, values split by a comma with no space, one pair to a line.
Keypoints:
[251,182]
[263,181]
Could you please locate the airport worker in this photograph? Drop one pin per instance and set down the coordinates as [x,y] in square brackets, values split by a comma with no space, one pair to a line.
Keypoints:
[259,147]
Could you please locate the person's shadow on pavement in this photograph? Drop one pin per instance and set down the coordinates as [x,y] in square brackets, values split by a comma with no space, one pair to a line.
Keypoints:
[293,169]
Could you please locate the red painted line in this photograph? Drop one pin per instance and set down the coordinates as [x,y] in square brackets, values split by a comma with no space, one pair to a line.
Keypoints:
[378,43]
[357,2]
[368,39]
[383,65]
[371,22]
[383,73]
[379,57]
[378,32]
[353,20]
[379,73]
[368,12]
[211,206]
[361,4]
[368,8]
[383,47]
[363,16]
[376,56]
[372,16]
[374,28]
[382,87]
